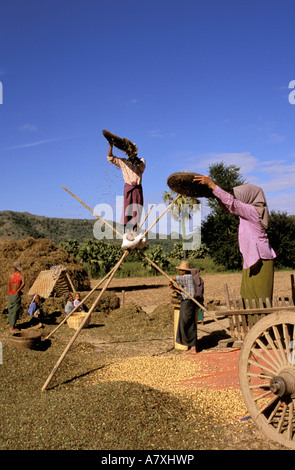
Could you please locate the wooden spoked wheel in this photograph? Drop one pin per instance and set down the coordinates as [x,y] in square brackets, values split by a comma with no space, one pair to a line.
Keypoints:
[267,376]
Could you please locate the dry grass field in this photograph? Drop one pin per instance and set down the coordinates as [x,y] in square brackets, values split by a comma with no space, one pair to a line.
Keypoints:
[123,385]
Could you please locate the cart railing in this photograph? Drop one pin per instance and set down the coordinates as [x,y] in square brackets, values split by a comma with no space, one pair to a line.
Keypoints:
[242,316]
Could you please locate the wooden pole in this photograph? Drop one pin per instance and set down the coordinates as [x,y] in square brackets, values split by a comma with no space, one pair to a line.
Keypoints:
[126,253]
[118,233]
[146,216]
[94,213]
[76,308]
[113,272]
[181,289]
[70,281]
[111,275]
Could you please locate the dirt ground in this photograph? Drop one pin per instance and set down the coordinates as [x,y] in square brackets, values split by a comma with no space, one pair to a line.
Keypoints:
[151,395]
[153,291]
[218,372]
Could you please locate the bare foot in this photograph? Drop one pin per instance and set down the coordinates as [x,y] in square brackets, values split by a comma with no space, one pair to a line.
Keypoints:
[13,330]
[129,236]
[192,350]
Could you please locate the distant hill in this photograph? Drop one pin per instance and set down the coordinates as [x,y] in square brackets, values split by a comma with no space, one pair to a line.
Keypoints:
[21,225]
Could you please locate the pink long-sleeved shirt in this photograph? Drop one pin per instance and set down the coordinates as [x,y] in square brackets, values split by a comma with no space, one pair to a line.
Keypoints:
[253,240]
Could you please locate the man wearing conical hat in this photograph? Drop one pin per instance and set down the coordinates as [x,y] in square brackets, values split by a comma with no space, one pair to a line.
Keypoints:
[187,328]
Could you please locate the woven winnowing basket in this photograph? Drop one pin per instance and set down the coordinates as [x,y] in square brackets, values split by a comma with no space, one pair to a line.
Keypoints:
[75,320]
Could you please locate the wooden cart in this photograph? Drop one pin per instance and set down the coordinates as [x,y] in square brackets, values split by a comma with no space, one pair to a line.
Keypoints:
[242,319]
[267,363]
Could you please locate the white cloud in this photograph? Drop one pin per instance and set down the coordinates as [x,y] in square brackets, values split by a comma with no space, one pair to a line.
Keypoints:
[158,133]
[34,144]
[276,177]
[244,160]
[155,133]
[29,127]
[276,138]
[282,202]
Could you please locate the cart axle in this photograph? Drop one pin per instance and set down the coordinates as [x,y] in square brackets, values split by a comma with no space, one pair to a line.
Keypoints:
[284,384]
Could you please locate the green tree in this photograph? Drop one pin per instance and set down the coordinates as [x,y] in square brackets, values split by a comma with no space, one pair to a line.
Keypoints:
[281,232]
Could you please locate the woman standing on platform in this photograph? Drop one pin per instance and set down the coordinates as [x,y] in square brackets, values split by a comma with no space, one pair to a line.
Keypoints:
[132,171]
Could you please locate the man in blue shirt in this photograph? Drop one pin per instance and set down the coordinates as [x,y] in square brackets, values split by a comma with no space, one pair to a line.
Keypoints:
[187,328]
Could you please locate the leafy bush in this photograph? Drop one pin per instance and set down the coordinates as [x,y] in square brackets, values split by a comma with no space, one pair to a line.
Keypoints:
[97,256]
[178,252]
[156,255]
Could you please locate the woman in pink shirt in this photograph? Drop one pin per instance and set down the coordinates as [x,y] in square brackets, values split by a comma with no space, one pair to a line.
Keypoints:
[250,205]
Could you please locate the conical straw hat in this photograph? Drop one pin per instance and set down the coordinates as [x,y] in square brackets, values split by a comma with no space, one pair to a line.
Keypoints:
[184,266]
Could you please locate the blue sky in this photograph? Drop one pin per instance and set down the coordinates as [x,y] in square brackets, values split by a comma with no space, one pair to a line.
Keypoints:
[191,82]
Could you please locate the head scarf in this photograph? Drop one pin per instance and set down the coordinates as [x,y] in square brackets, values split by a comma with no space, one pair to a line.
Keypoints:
[250,194]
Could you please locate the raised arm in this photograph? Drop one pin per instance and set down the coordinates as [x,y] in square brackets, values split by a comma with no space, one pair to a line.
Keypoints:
[228,202]
[111,158]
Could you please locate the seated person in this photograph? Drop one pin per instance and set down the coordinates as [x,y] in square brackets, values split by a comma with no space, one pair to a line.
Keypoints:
[78,301]
[35,311]
[69,303]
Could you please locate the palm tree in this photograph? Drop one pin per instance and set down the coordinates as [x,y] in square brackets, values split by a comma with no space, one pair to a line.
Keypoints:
[182,209]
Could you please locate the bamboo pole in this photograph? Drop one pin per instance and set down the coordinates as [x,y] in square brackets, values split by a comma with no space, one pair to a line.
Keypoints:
[146,216]
[126,253]
[118,233]
[70,281]
[181,289]
[94,213]
[76,308]
[113,272]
